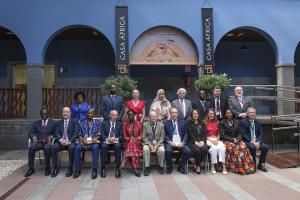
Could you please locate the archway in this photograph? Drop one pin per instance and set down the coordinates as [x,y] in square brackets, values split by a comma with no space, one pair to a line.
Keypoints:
[82,56]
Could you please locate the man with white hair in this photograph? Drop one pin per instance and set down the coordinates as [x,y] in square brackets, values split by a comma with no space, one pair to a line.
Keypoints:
[239,103]
[184,106]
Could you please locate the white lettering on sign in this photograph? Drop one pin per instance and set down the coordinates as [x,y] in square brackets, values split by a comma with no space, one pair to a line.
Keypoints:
[122,36]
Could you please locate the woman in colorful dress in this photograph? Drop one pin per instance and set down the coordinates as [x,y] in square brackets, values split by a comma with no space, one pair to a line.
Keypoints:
[238,157]
[161,105]
[132,130]
[137,105]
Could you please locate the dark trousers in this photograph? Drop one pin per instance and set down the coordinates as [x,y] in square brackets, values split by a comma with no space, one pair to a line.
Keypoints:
[95,155]
[58,147]
[36,147]
[263,151]
[185,151]
[199,153]
[117,147]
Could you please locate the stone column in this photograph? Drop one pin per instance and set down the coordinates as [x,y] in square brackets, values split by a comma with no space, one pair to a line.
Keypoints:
[35,77]
[285,77]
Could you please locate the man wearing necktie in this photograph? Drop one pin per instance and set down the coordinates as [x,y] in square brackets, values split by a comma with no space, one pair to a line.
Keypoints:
[239,103]
[252,132]
[111,136]
[41,135]
[219,103]
[175,139]
[153,139]
[183,105]
[66,138]
[203,104]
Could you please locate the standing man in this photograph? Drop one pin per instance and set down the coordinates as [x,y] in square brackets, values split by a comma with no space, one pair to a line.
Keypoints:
[112,102]
[219,103]
[66,137]
[111,135]
[239,103]
[153,142]
[252,132]
[41,135]
[202,104]
[184,106]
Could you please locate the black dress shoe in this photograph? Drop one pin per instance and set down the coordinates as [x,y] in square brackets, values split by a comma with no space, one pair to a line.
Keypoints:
[147,171]
[69,172]
[29,172]
[103,173]
[94,174]
[169,171]
[118,173]
[262,167]
[179,169]
[161,170]
[47,171]
[54,173]
[76,174]
[137,172]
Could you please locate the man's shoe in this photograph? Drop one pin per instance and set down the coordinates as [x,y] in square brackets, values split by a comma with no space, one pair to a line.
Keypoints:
[47,171]
[94,174]
[118,173]
[76,174]
[29,172]
[179,169]
[147,171]
[137,173]
[169,170]
[103,173]
[161,170]
[54,173]
[69,172]
[262,167]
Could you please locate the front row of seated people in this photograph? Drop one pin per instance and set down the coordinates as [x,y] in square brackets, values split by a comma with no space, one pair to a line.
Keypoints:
[231,143]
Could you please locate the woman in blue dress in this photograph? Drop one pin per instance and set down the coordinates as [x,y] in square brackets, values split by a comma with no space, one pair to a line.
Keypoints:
[79,109]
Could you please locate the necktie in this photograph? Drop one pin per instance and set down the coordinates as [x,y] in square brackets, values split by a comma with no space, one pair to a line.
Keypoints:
[241,102]
[218,104]
[113,130]
[153,130]
[252,130]
[65,136]
[182,108]
[113,101]
[44,126]
[203,105]
[174,128]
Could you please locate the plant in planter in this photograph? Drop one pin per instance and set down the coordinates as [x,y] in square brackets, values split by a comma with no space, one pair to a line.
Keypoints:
[124,84]
[208,82]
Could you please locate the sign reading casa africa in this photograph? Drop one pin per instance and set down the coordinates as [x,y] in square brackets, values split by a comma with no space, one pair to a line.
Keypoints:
[163,46]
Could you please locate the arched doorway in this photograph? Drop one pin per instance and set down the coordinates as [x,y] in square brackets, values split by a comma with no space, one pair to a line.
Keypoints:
[248,56]
[164,57]
[12,60]
[82,56]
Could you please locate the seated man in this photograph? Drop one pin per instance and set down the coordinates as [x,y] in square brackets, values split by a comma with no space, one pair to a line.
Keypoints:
[111,136]
[252,132]
[66,136]
[175,139]
[89,135]
[41,135]
[153,141]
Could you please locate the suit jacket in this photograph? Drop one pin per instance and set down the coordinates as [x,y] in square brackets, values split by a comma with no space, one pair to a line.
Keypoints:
[148,134]
[192,132]
[37,131]
[244,128]
[73,130]
[107,105]
[235,106]
[105,129]
[223,104]
[200,108]
[228,133]
[188,108]
[168,125]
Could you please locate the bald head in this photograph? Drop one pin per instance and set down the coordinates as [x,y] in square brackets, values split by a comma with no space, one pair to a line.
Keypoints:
[251,113]
[66,113]
[153,116]
[113,115]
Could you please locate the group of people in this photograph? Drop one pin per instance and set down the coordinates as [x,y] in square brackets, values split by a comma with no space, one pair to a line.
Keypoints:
[220,131]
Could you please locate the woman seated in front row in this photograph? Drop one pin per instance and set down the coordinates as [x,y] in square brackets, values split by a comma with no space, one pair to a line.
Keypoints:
[238,157]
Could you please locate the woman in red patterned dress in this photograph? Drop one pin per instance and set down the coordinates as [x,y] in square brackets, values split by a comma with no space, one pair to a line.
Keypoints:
[136,105]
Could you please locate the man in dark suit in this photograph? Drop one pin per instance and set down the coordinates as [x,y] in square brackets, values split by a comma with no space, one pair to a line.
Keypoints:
[111,136]
[252,132]
[66,138]
[175,139]
[183,105]
[219,103]
[40,135]
[239,103]
[112,102]
[203,104]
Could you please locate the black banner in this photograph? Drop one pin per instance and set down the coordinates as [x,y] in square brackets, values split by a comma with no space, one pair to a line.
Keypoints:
[208,40]
[122,54]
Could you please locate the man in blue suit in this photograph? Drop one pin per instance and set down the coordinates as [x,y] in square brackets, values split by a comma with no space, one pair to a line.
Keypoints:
[112,102]
[175,139]
[252,132]
[111,136]
[40,135]
[66,138]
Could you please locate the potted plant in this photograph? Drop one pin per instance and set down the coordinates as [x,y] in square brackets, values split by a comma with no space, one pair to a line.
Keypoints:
[208,82]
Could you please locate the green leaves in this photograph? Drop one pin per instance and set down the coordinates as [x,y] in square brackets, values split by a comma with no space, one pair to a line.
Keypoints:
[208,82]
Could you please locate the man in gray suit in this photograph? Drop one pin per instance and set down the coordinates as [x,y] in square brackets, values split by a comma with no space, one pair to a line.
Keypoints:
[239,103]
[184,106]
[153,142]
